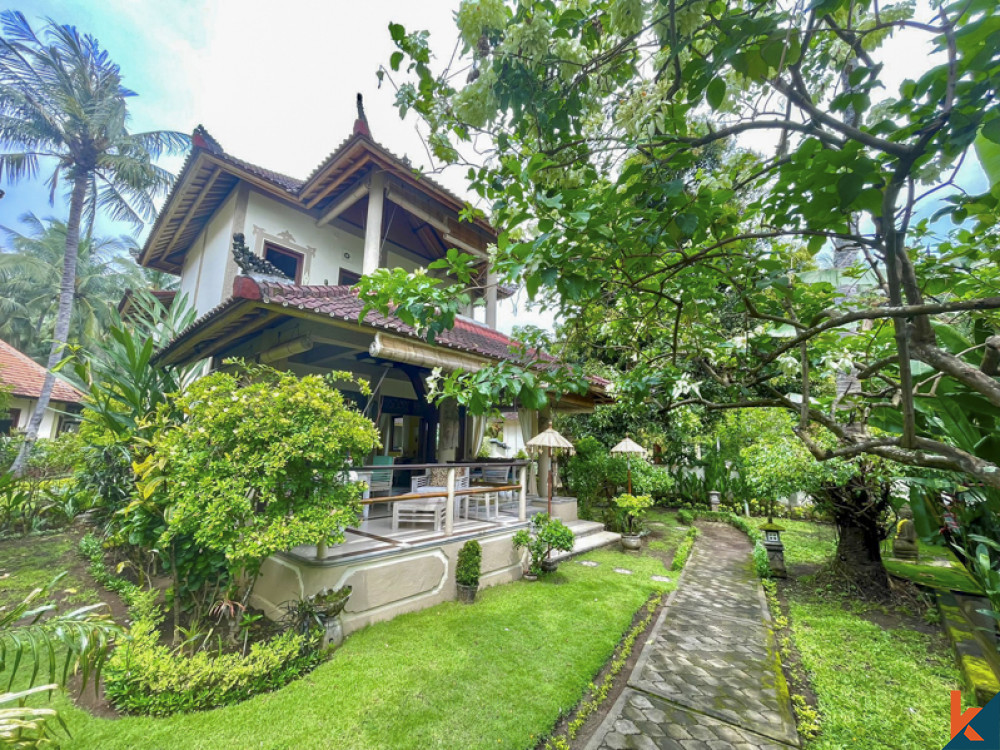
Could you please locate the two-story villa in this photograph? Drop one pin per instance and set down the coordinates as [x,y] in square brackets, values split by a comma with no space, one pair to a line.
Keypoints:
[361,209]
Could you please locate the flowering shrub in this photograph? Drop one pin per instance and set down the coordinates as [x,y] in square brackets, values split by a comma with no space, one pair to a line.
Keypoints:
[259,463]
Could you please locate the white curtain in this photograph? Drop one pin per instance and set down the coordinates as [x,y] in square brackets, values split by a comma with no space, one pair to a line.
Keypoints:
[477,430]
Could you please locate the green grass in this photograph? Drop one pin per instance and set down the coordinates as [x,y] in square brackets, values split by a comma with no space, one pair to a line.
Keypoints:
[30,562]
[495,674]
[805,541]
[876,688]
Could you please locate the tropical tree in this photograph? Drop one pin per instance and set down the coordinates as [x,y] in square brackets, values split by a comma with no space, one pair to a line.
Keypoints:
[62,104]
[31,267]
[585,123]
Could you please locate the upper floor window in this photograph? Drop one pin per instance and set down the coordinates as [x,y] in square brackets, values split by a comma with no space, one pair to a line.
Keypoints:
[348,278]
[287,261]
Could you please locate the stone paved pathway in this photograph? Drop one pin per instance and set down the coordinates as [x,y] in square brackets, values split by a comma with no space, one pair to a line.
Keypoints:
[708,676]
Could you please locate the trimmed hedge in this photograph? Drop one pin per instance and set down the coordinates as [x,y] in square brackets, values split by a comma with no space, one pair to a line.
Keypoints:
[144,677]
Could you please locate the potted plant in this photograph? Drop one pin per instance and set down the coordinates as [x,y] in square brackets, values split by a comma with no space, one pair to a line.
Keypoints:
[467,571]
[545,534]
[631,514]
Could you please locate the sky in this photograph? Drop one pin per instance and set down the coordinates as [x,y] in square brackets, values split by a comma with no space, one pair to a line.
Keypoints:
[275,82]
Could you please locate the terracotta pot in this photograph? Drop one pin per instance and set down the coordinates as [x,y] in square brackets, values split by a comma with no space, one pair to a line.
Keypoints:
[631,541]
[467,594]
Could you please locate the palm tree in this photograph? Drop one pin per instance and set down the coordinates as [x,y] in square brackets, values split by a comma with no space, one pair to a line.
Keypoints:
[62,102]
[30,268]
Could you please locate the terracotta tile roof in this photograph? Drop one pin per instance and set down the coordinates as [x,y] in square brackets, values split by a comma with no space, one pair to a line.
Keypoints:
[25,377]
[202,139]
[342,302]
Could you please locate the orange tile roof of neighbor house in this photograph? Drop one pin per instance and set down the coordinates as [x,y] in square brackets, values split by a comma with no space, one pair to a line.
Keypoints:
[24,377]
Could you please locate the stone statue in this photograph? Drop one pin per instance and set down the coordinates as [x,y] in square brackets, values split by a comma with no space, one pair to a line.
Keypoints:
[904,543]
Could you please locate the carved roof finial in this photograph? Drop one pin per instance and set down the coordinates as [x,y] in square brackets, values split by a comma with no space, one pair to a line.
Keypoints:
[253,266]
[361,124]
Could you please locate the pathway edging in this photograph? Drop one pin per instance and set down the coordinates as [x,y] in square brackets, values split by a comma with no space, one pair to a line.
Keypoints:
[708,675]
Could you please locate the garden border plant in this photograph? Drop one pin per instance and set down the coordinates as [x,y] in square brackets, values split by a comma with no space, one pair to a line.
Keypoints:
[144,677]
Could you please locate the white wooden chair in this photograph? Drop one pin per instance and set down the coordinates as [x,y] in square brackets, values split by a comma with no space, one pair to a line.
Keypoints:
[500,475]
[381,479]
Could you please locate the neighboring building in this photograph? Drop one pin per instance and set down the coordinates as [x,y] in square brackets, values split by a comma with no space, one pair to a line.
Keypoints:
[24,377]
[269,262]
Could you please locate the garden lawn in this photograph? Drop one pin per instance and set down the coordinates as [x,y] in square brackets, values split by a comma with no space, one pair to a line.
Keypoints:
[806,541]
[496,674]
[27,563]
[876,687]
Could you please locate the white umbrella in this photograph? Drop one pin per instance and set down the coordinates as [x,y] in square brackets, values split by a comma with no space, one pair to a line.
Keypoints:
[553,442]
[629,447]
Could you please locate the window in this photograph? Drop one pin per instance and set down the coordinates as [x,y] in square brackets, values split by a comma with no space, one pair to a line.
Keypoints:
[68,423]
[9,425]
[348,278]
[288,262]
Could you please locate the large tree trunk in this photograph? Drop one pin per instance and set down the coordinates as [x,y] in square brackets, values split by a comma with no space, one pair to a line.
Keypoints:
[67,289]
[857,511]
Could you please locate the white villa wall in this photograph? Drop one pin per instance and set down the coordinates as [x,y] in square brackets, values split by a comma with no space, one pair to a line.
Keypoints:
[203,277]
[208,270]
[50,420]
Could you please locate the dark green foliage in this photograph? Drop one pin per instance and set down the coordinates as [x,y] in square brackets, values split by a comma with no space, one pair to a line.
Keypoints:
[684,549]
[470,558]
[595,477]
[145,677]
[685,517]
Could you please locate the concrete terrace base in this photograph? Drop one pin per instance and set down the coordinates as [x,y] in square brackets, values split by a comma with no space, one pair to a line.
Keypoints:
[385,584]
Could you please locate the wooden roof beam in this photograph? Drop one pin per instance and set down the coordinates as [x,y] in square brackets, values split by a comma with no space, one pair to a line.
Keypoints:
[344,202]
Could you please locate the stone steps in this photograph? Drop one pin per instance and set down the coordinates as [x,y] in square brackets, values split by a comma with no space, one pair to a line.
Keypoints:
[591,536]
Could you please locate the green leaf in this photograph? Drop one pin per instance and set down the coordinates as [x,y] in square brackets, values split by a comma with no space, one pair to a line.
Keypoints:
[395,60]
[991,130]
[849,186]
[716,93]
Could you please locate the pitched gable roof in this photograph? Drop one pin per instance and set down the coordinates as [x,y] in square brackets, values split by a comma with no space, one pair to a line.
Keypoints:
[25,377]
[210,173]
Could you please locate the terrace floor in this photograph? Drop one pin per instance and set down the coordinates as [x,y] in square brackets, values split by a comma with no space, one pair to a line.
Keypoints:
[375,534]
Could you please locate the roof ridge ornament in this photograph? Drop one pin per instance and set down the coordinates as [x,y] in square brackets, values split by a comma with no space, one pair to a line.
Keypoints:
[256,268]
[361,124]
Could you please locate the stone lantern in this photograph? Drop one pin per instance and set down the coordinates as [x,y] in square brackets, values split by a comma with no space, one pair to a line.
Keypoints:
[775,548]
[715,500]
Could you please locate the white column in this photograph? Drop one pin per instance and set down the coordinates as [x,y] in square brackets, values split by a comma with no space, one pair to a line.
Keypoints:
[491,299]
[522,499]
[373,224]
[449,511]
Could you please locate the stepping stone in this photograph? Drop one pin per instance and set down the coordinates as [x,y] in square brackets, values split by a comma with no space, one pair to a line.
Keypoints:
[589,563]
[660,579]
[623,571]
